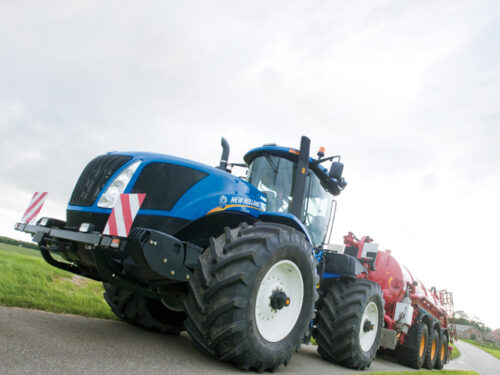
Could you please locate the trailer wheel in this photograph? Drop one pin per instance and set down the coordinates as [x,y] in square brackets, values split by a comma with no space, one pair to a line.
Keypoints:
[442,356]
[413,352]
[349,322]
[252,295]
[432,350]
[142,311]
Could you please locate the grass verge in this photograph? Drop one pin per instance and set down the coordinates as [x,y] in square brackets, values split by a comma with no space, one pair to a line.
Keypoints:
[20,250]
[493,350]
[27,281]
[455,353]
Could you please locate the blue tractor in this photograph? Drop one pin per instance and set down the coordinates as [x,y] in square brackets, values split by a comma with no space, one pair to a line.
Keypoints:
[240,263]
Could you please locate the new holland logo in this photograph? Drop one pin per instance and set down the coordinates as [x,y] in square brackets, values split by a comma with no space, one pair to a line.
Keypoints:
[222,201]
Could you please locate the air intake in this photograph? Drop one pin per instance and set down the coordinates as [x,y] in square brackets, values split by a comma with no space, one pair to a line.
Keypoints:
[94,177]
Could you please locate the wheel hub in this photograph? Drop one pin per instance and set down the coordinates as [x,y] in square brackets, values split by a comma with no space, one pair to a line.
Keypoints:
[368,326]
[279,299]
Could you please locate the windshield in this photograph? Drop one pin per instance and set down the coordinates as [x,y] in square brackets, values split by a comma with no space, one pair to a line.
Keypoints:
[275,177]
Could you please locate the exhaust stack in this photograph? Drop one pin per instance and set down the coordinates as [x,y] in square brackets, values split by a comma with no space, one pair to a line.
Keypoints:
[225,154]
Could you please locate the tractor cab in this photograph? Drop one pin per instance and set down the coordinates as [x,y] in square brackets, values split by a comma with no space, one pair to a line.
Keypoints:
[297,184]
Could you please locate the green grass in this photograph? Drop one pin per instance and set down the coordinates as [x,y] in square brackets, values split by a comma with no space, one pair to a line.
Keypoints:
[11,241]
[490,348]
[455,353]
[20,250]
[27,281]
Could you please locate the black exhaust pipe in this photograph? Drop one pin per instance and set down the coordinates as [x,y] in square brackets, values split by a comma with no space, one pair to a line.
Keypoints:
[225,154]
[299,189]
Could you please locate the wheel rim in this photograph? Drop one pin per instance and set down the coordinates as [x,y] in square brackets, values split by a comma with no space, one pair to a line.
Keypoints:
[433,349]
[422,346]
[369,326]
[442,351]
[275,324]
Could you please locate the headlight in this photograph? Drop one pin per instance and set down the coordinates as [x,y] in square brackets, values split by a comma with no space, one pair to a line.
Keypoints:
[117,187]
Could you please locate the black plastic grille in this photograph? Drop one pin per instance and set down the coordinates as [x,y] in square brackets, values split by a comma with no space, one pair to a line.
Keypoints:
[164,184]
[94,177]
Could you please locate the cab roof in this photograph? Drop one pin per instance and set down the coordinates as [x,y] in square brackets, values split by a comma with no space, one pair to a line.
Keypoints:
[293,155]
[284,152]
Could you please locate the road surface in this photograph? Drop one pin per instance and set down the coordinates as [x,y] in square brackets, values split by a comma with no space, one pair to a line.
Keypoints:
[34,342]
[472,358]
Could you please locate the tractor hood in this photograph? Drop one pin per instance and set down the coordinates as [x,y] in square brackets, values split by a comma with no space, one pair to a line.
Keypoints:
[177,190]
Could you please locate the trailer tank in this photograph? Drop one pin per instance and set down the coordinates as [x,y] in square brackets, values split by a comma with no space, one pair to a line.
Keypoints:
[416,324]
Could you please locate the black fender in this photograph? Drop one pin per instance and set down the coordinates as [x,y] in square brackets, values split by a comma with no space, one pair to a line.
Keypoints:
[286,219]
[199,231]
[340,265]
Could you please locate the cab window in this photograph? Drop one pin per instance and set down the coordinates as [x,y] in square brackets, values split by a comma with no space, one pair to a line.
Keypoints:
[275,177]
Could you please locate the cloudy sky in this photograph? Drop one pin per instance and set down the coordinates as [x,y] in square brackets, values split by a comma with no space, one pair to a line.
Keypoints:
[407,91]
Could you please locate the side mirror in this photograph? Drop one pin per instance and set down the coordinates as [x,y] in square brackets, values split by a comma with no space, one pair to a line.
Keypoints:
[336,170]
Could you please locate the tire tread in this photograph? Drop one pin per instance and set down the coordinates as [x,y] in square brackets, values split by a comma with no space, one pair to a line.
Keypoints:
[216,323]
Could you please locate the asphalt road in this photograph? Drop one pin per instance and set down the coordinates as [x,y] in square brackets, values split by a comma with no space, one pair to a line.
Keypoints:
[34,342]
[472,358]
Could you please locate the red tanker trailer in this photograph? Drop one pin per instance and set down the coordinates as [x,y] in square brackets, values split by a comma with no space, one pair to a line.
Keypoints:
[416,324]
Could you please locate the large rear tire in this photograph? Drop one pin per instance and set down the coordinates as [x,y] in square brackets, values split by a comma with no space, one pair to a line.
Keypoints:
[142,311]
[349,322]
[442,357]
[251,298]
[432,350]
[413,352]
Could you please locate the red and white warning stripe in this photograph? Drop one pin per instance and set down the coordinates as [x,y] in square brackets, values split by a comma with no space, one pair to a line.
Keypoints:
[123,215]
[34,208]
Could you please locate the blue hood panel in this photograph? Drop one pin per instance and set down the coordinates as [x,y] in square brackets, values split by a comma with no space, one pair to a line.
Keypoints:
[218,191]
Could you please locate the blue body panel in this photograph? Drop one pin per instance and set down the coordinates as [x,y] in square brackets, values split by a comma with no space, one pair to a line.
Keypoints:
[328,275]
[219,191]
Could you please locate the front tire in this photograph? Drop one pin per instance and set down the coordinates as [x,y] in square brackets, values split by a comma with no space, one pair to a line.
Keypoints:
[349,322]
[142,311]
[252,295]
